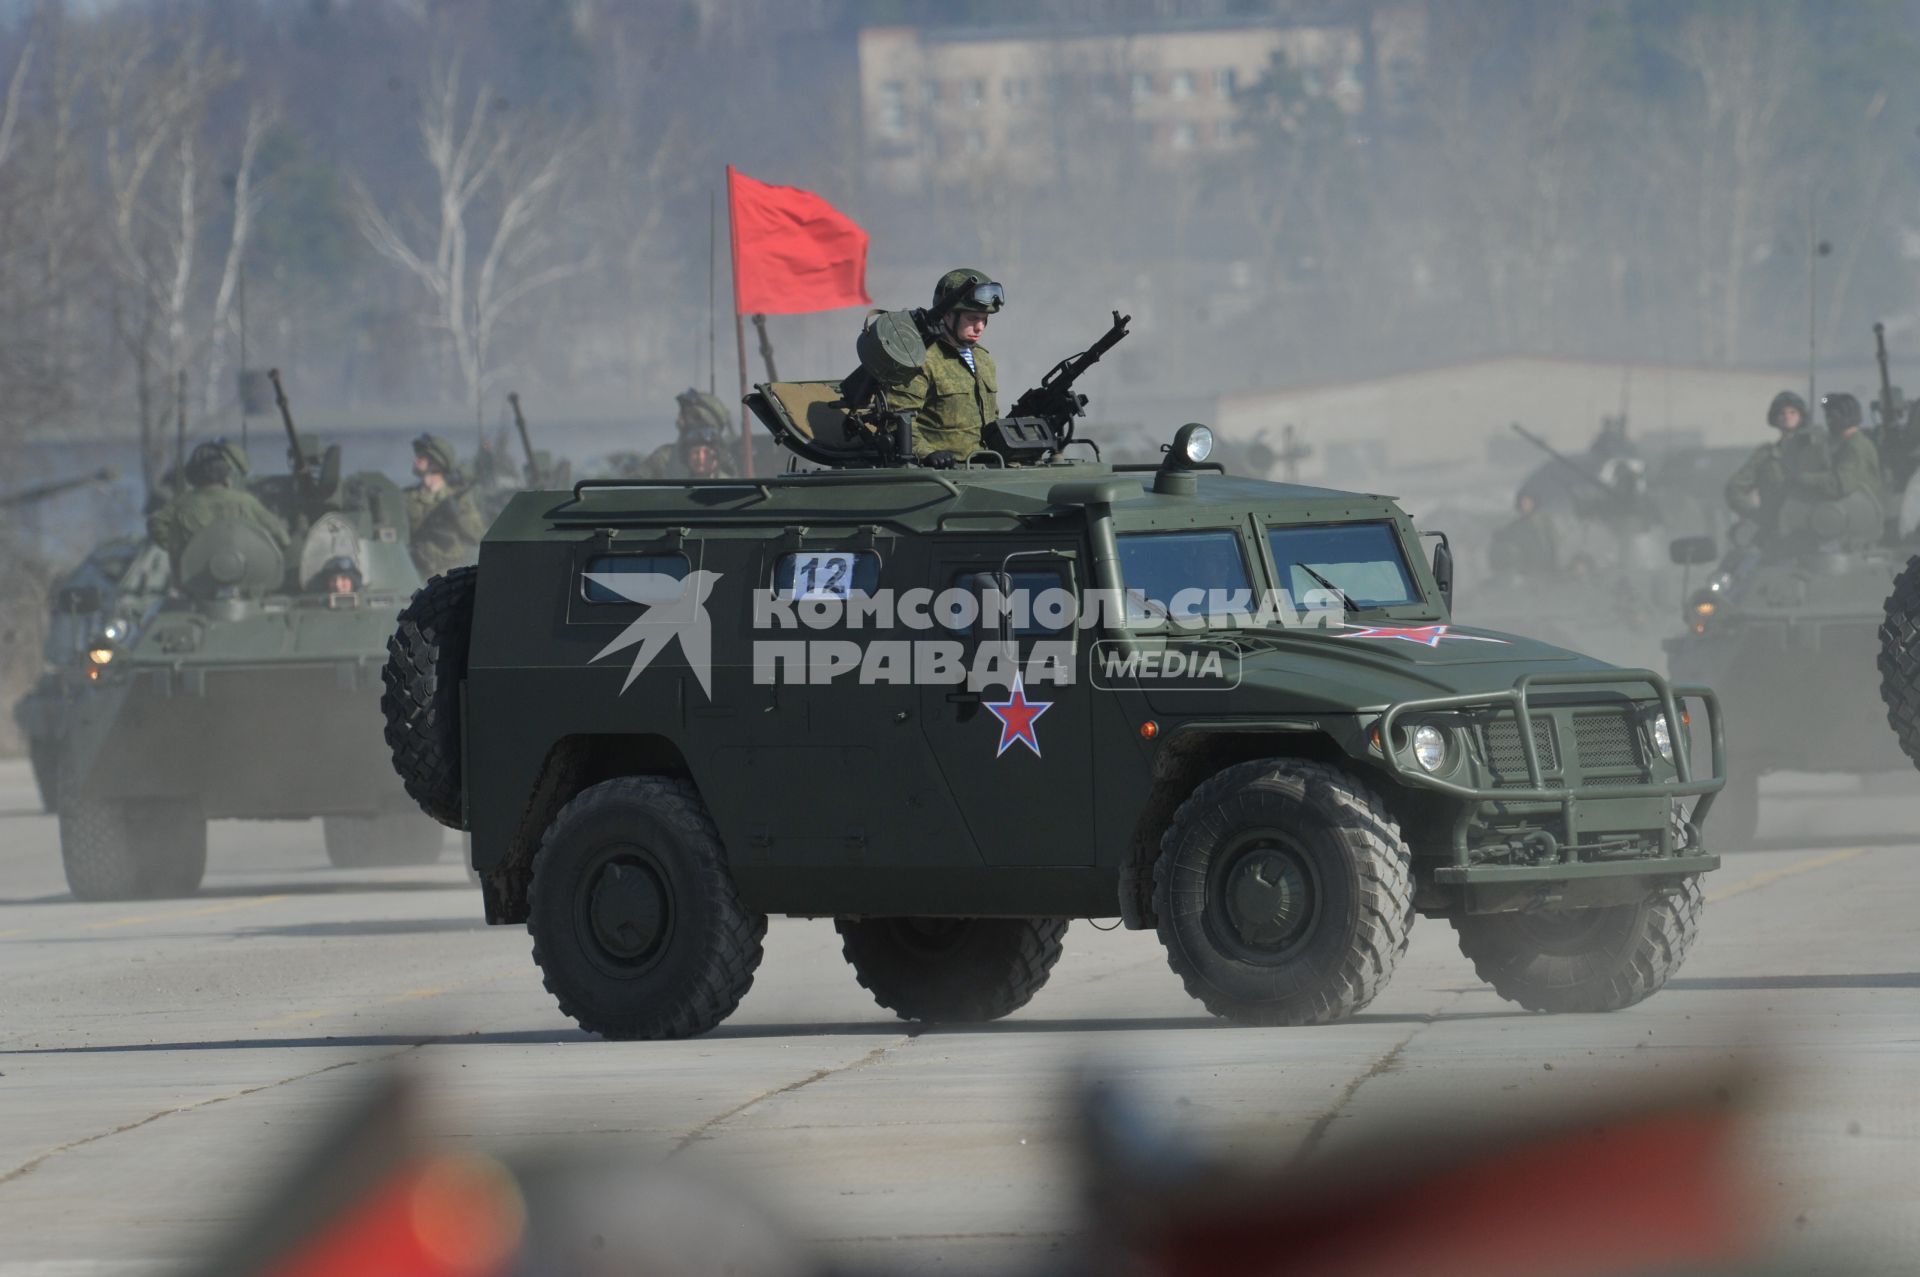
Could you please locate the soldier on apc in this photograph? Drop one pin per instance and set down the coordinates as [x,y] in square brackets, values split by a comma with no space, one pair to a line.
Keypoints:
[700,451]
[955,393]
[211,497]
[1853,469]
[1759,486]
[445,527]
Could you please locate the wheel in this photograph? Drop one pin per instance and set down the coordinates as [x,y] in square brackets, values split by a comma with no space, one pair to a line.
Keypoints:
[385,840]
[1584,959]
[1734,821]
[637,928]
[426,661]
[173,859]
[1899,659]
[1284,893]
[951,970]
[96,849]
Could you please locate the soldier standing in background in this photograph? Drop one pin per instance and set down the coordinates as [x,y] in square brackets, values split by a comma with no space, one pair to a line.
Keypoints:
[955,393]
[445,526]
[211,497]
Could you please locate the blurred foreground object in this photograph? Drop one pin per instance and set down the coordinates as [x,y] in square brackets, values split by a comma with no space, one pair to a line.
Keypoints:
[1643,1186]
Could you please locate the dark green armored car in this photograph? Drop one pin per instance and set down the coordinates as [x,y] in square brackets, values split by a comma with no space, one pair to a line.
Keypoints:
[954,709]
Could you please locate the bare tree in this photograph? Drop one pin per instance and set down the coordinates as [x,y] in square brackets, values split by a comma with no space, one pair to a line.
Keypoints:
[246,204]
[154,108]
[487,244]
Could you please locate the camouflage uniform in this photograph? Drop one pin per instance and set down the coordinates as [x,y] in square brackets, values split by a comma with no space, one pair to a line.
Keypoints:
[1760,484]
[702,420]
[444,525]
[202,505]
[446,528]
[951,402]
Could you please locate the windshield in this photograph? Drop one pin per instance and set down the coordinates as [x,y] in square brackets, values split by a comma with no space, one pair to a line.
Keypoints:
[1360,560]
[1177,571]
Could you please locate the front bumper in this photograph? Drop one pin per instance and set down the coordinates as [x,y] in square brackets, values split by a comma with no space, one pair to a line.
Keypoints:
[1588,810]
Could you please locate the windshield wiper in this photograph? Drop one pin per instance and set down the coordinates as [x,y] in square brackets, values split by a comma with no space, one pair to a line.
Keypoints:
[1345,602]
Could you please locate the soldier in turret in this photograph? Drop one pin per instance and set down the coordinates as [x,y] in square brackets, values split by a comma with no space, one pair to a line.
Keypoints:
[446,527]
[213,473]
[956,392]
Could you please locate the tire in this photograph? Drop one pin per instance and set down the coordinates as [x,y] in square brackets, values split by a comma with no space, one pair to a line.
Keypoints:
[97,852]
[383,841]
[637,928]
[426,663]
[174,861]
[951,970]
[1584,959]
[1899,660]
[1284,893]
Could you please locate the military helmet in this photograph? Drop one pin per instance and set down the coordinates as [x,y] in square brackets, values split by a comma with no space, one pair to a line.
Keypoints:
[1781,402]
[338,565]
[700,410]
[1842,411]
[215,461]
[438,452]
[967,288]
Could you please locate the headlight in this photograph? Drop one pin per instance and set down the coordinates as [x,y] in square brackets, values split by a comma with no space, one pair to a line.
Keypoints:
[112,632]
[1429,747]
[1662,737]
[100,655]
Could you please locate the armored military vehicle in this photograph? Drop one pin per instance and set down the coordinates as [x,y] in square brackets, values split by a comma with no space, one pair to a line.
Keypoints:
[1789,644]
[954,709]
[247,690]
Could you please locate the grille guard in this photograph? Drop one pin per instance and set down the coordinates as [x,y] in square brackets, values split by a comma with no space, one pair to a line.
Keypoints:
[1515,699]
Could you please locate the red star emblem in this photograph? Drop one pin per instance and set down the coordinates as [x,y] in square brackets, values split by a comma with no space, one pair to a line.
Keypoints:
[1427,635]
[1017,716]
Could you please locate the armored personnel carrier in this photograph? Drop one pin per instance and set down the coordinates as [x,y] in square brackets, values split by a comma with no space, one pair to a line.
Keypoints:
[246,689]
[955,709]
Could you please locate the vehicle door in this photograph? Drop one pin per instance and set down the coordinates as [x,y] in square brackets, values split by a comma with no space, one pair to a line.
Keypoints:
[1016,751]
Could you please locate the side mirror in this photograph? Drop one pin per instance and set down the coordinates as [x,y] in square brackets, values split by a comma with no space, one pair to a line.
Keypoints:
[1443,568]
[1687,551]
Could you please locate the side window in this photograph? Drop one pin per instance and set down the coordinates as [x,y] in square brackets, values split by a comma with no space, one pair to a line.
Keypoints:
[825,574]
[1042,601]
[1162,567]
[618,578]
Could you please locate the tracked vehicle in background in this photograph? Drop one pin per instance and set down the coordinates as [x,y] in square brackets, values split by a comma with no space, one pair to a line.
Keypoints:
[609,704]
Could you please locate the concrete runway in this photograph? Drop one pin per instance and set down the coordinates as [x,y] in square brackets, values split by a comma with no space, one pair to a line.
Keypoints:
[159,1060]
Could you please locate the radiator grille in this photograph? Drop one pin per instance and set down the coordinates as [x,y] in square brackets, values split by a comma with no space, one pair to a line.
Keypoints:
[1505,758]
[1606,741]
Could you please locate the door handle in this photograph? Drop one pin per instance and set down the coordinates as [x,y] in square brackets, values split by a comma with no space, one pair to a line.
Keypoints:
[963,698]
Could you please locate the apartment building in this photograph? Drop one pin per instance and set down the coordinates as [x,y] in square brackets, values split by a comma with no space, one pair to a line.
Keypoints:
[939,104]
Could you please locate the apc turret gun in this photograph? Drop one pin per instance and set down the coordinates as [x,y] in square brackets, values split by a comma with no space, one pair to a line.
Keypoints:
[55,487]
[526,440]
[1893,416]
[1562,458]
[304,480]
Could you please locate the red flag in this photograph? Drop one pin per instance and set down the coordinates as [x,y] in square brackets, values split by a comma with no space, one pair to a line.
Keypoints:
[792,251]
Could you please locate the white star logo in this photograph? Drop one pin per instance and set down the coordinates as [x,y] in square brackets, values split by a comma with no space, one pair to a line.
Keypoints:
[675,608]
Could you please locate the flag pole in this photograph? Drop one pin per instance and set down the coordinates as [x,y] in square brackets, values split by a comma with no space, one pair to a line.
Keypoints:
[739,330]
[713,251]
